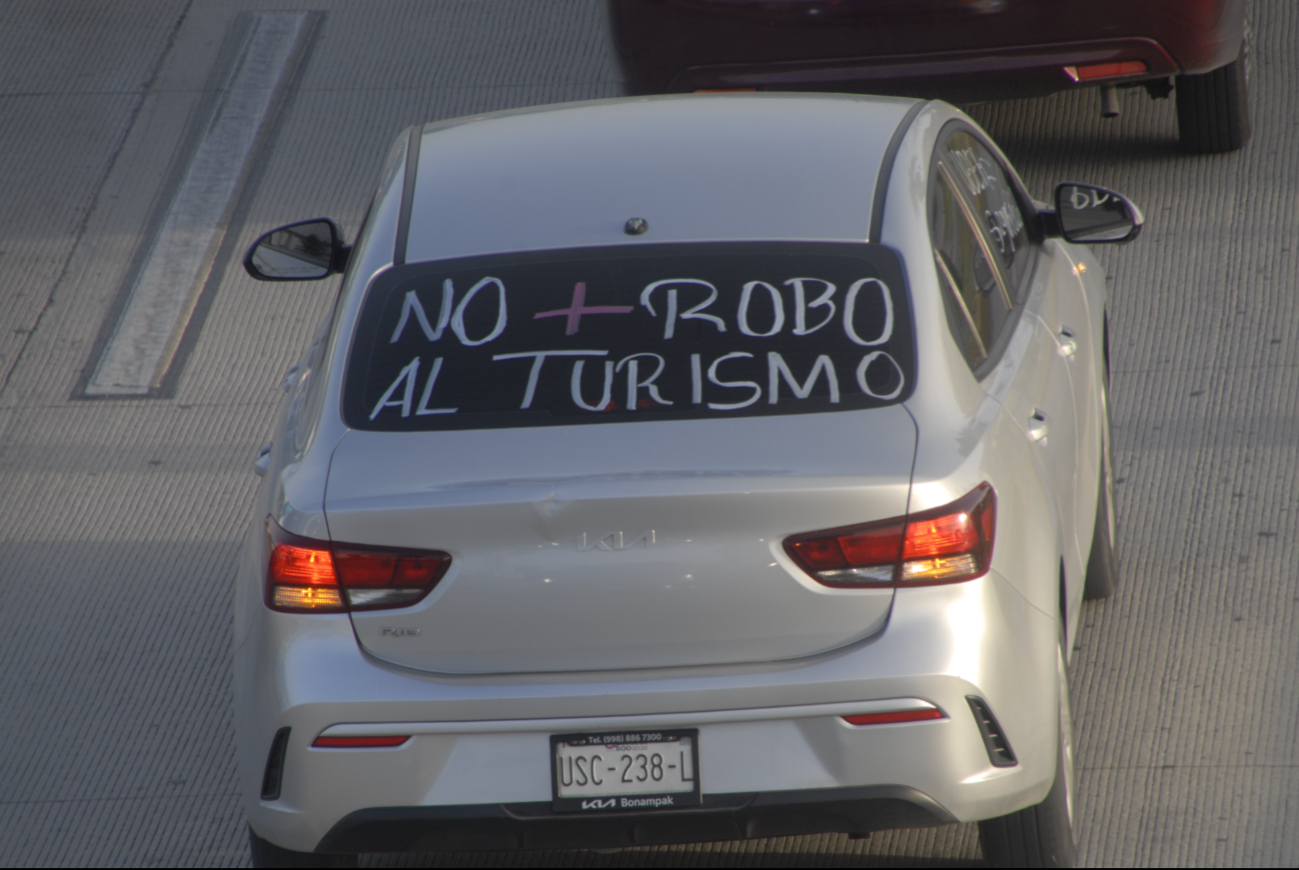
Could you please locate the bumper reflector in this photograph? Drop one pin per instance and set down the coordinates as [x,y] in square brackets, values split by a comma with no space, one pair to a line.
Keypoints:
[274,774]
[1105,70]
[359,742]
[894,717]
[994,739]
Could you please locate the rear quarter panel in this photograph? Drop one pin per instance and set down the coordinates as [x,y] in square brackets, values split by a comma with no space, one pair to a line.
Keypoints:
[965,436]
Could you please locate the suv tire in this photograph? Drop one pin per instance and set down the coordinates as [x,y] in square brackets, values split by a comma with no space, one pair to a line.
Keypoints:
[1213,107]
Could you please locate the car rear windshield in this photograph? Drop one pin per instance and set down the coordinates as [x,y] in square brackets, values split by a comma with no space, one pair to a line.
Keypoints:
[631,333]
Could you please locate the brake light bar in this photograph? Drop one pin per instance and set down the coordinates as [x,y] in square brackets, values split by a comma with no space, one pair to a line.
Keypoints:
[950,544]
[304,575]
[359,742]
[1105,70]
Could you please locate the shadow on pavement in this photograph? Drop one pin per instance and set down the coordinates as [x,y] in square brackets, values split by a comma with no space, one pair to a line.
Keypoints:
[929,847]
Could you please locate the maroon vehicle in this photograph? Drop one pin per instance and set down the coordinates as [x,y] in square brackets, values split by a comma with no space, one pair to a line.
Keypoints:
[963,51]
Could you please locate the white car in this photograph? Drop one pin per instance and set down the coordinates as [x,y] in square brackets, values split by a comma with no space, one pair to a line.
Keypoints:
[681,469]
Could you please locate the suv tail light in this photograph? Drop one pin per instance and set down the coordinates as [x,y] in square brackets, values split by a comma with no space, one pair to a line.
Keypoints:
[945,545]
[304,575]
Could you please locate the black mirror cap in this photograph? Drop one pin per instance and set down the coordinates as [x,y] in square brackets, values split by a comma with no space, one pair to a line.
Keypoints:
[337,255]
[1087,214]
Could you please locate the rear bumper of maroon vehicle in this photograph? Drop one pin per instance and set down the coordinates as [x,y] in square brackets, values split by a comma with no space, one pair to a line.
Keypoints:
[956,76]
[961,51]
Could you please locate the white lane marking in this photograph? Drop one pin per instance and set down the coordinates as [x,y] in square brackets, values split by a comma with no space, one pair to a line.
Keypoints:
[163,297]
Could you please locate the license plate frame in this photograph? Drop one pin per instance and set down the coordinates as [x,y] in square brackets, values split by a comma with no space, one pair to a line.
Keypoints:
[627,801]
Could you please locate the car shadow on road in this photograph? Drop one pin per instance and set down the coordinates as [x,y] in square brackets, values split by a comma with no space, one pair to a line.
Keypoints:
[948,846]
[1067,128]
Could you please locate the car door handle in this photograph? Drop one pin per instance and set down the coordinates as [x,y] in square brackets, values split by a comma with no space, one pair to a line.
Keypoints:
[1068,344]
[1037,428]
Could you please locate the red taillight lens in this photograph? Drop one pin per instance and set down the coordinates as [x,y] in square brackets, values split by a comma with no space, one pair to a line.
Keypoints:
[309,576]
[365,569]
[945,545]
[380,569]
[823,554]
[950,533]
[873,546]
[302,566]
[378,579]
[853,557]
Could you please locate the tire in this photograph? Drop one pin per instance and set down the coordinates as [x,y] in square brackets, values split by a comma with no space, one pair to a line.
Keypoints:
[1042,835]
[1102,562]
[267,854]
[1213,107]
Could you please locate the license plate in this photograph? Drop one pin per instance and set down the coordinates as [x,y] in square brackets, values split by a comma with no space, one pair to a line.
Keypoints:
[633,770]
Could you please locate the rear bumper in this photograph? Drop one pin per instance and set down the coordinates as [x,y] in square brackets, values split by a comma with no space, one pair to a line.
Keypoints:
[962,76]
[921,48]
[480,746]
[722,817]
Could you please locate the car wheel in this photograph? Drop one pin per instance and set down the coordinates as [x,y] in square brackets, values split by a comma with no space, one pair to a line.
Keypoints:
[1213,107]
[1102,562]
[267,854]
[1042,835]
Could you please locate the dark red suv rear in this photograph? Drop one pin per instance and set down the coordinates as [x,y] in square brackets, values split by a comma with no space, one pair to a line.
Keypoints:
[960,50]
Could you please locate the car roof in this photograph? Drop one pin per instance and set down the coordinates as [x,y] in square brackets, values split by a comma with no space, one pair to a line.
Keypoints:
[715,167]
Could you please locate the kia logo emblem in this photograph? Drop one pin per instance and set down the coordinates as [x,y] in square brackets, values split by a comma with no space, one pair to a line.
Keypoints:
[615,541]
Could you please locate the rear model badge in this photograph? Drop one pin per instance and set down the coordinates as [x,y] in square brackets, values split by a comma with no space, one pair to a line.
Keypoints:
[615,541]
[399,632]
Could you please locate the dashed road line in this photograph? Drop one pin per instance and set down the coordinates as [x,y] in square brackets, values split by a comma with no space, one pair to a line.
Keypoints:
[163,296]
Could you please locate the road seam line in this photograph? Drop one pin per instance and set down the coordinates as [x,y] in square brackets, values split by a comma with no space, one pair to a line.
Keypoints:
[80,231]
[164,295]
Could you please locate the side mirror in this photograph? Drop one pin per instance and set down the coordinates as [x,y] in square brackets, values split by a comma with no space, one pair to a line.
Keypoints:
[305,251]
[1087,214]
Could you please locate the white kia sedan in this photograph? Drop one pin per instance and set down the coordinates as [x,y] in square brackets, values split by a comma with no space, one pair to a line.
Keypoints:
[681,469]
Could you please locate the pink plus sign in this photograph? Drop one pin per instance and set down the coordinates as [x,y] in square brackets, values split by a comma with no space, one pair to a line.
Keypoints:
[575,311]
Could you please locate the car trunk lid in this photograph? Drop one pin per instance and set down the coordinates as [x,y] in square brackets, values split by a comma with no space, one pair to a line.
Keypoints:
[642,545]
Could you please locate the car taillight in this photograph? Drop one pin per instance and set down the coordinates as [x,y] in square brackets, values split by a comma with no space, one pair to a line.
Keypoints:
[309,576]
[945,545]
